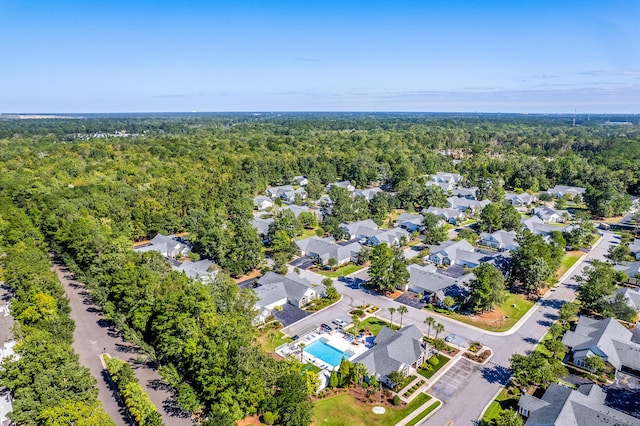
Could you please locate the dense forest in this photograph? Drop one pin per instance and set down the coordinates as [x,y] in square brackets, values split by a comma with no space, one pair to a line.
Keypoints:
[92,186]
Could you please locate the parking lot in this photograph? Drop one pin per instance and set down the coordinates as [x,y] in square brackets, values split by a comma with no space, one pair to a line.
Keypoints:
[452,380]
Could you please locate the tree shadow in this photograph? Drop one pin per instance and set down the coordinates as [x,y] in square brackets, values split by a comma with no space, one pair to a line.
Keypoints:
[544,323]
[552,303]
[130,349]
[531,340]
[157,384]
[496,374]
[551,316]
[170,405]
[103,323]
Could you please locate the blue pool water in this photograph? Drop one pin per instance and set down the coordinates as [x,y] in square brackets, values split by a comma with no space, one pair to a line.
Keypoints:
[327,353]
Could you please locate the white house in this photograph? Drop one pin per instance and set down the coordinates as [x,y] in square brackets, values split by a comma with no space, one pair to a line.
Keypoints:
[570,191]
[409,221]
[501,240]
[169,246]
[301,180]
[549,215]
[519,200]
[368,194]
[262,203]
[342,184]
[324,249]
[452,216]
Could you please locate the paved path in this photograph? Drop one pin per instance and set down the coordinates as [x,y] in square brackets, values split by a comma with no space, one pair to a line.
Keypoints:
[94,335]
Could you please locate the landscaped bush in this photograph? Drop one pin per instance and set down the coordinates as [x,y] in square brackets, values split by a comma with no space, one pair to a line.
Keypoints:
[269,417]
[434,360]
[396,400]
[357,312]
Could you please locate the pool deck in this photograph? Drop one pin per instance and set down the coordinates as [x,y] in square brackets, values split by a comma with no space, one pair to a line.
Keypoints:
[335,339]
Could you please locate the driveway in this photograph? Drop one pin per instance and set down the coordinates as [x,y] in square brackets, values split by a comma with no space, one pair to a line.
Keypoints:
[304,262]
[409,298]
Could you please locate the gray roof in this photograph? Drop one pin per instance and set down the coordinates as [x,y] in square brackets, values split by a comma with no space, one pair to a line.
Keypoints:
[463,204]
[523,198]
[465,192]
[633,296]
[273,287]
[260,199]
[354,228]
[202,269]
[327,249]
[445,186]
[564,189]
[560,406]
[296,210]
[598,336]
[393,349]
[445,213]
[446,177]
[545,213]
[368,194]
[262,225]
[451,248]
[538,227]
[165,244]
[634,247]
[503,238]
[428,279]
[409,217]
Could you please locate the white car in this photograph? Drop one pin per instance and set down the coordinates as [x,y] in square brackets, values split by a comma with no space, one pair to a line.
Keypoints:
[339,322]
[450,338]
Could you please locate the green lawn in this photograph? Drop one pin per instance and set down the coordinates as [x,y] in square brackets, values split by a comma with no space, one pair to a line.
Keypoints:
[307,233]
[344,410]
[568,260]
[266,343]
[503,401]
[509,314]
[429,373]
[424,414]
[375,325]
[341,271]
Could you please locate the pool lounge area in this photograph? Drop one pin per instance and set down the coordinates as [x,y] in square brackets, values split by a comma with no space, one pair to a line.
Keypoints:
[325,350]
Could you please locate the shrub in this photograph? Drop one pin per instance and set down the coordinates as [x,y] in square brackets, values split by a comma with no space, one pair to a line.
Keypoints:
[434,360]
[269,417]
[396,400]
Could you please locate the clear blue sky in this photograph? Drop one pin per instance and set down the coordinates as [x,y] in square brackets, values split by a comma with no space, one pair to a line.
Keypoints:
[308,55]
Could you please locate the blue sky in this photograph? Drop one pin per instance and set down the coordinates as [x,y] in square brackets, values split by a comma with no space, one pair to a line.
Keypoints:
[485,56]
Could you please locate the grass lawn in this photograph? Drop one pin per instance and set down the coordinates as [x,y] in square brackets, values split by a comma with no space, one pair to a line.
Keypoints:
[341,271]
[307,233]
[266,342]
[503,401]
[501,318]
[540,347]
[375,325]
[344,410]
[568,260]
[429,373]
[424,414]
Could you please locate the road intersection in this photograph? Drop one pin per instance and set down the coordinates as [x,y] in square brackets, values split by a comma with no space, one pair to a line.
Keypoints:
[465,402]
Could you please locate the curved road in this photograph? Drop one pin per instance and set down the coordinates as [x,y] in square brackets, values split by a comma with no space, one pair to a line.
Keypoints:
[472,386]
[93,335]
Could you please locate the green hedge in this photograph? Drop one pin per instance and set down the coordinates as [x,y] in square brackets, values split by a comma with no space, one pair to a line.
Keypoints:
[142,410]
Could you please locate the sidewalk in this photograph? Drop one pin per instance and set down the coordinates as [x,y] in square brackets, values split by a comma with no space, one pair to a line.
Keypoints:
[420,409]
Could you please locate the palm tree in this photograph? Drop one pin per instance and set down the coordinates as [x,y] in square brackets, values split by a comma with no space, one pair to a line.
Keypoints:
[301,346]
[402,310]
[359,371]
[356,323]
[392,311]
[430,321]
[439,328]
[272,338]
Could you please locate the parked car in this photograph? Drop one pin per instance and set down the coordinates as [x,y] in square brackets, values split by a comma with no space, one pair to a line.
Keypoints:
[450,338]
[339,322]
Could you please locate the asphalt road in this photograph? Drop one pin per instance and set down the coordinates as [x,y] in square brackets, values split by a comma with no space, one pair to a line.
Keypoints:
[94,335]
[464,403]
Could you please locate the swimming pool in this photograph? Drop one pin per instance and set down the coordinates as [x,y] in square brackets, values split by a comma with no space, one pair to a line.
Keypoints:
[327,353]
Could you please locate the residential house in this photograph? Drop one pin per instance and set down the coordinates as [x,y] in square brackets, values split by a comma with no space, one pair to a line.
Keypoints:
[262,203]
[203,270]
[262,227]
[570,191]
[409,221]
[445,186]
[634,248]
[403,350]
[538,227]
[287,193]
[452,216]
[435,286]
[301,180]
[464,204]
[549,214]
[607,339]
[632,295]
[391,237]
[519,200]
[361,229]
[342,184]
[452,178]
[275,290]
[296,210]
[561,406]
[446,253]
[468,193]
[324,249]
[170,246]
[501,240]
[368,194]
